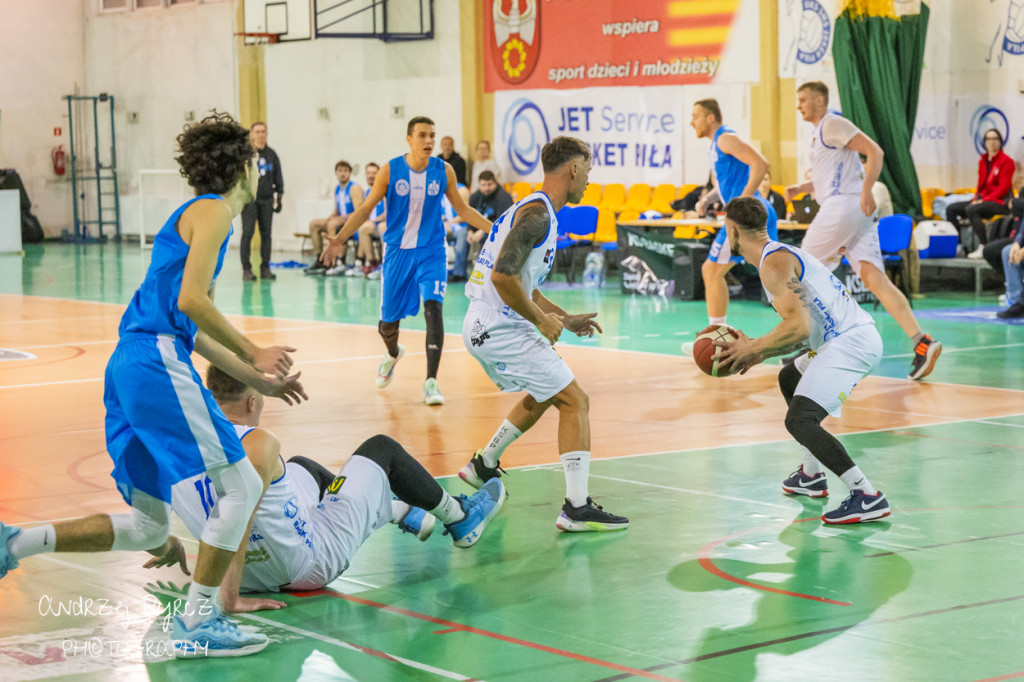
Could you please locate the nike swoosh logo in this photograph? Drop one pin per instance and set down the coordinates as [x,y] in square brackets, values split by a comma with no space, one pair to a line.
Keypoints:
[46,538]
[572,459]
[869,506]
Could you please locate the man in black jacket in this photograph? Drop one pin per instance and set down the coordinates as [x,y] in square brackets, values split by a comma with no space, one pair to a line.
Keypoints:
[449,154]
[262,209]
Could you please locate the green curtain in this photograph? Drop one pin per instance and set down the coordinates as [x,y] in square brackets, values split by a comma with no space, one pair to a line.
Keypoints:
[878,60]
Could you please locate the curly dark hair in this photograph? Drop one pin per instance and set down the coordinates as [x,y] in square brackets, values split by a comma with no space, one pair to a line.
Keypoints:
[214,153]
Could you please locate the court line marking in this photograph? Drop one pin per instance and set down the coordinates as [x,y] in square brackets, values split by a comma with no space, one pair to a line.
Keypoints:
[459,627]
[905,550]
[1000,678]
[687,490]
[959,349]
[291,628]
[114,341]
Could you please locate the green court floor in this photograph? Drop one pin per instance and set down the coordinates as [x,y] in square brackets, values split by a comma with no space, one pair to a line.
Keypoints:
[720,578]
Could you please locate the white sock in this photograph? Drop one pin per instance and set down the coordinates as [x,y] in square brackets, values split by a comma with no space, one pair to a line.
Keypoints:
[576,465]
[398,510]
[502,438]
[449,511]
[812,467]
[716,320]
[30,541]
[200,604]
[855,480]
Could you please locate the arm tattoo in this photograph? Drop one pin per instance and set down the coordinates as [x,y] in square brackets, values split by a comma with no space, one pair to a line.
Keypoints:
[532,223]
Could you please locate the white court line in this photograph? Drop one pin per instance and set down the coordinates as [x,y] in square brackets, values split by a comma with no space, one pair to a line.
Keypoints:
[51,383]
[57,319]
[960,349]
[692,492]
[246,331]
[274,624]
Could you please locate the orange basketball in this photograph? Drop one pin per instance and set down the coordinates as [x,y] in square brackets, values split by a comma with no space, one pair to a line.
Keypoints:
[705,352]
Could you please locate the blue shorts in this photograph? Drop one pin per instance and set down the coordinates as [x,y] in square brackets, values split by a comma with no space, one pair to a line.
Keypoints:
[407,275]
[721,252]
[162,424]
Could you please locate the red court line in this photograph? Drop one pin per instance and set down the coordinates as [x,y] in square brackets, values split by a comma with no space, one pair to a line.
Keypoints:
[459,627]
[1011,676]
[704,559]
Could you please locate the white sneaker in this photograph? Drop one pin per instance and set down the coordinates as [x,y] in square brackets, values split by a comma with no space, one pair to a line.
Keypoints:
[337,270]
[977,253]
[431,393]
[687,348]
[1002,299]
[375,274]
[356,270]
[386,371]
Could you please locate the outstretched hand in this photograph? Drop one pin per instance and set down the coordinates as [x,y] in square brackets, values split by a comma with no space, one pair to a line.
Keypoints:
[739,354]
[287,389]
[583,324]
[175,555]
[247,605]
[273,360]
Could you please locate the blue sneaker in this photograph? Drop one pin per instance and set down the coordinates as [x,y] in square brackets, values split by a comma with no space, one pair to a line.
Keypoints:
[418,522]
[858,508]
[483,506]
[214,637]
[7,560]
[802,484]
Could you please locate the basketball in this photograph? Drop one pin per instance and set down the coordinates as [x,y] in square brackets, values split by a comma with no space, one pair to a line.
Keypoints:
[705,351]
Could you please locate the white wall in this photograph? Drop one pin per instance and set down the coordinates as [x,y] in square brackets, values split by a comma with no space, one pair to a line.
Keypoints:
[357,82]
[41,55]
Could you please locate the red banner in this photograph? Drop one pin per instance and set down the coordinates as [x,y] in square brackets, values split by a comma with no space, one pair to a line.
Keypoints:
[543,44]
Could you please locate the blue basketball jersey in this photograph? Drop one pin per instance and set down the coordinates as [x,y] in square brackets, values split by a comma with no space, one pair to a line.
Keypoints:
[731,174]
[154,307]
[414,204]
[343,198]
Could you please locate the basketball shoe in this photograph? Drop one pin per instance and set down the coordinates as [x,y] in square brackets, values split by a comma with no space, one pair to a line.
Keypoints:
[215,637]
[589,517]
[476,473]
[431,393]
[418,522]
[802,484]
[386,371]
[483,506]
[7,560]
[858,508]
[925,354]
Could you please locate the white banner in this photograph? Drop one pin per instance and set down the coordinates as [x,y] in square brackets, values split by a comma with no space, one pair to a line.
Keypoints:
[635,134]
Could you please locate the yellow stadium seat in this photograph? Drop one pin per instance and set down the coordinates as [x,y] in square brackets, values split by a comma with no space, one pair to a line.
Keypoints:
[614,197]
[521,189]
[779,189]
[591,195]
[639,197]
[536,188]
[627,216]
[928,195]
[661,200]
[686,189]
[607,230]
[966,190]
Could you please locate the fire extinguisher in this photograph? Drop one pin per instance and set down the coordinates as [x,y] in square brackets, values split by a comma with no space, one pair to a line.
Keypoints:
[58,158]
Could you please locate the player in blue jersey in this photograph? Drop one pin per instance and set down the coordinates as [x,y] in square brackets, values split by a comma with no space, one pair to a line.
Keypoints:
[347,197]
[415,263]
[162,425]
[736,170]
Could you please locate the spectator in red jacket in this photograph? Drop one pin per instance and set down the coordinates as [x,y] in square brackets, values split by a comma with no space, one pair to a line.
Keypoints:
[995,187]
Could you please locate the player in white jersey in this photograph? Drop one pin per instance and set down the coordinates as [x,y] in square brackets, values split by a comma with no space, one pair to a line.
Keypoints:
[817,312]
[511,329]
[310,523]
[844,225]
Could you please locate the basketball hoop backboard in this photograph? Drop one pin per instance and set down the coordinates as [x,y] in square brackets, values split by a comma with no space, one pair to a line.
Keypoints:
[286,19]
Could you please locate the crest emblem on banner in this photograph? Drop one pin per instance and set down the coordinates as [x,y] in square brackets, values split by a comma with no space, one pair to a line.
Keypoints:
[516,37]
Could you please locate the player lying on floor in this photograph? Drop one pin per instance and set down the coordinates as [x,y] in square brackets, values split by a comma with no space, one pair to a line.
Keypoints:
[309,522]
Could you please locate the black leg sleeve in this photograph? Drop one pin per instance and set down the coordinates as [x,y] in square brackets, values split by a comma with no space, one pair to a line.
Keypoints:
[434,317]
[389,332]
[803,421]
[321,474]
[409,481]
[789,377]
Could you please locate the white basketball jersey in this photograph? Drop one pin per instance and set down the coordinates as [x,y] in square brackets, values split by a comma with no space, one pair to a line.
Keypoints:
[479,289]
[282,546]
[832,310]
[835,168]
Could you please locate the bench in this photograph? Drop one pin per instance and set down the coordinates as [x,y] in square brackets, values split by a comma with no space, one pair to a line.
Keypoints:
[305,238]
[978,265]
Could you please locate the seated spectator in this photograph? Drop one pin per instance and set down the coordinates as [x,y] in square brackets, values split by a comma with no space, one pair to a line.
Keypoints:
[451,156]
[994,250]
[347,198]
[995,182]
[1013,254]
[457,234]
[691,206]
[773,197]
[482,161]
[370,232]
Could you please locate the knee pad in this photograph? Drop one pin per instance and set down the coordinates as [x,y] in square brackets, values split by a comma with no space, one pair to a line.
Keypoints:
[239,489]
[789,377]
[803,420]
[146,527]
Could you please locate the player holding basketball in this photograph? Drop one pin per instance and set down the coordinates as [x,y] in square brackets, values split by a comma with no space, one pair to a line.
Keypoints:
[511,329]
[162,425]
[844,225]
[736,170]
[817,311]
[310,523]
[415,261]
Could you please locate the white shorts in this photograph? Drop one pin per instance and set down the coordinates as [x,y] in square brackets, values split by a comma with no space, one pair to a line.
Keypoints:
[830,375]
[514,354]
[356,503]
[841,229]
